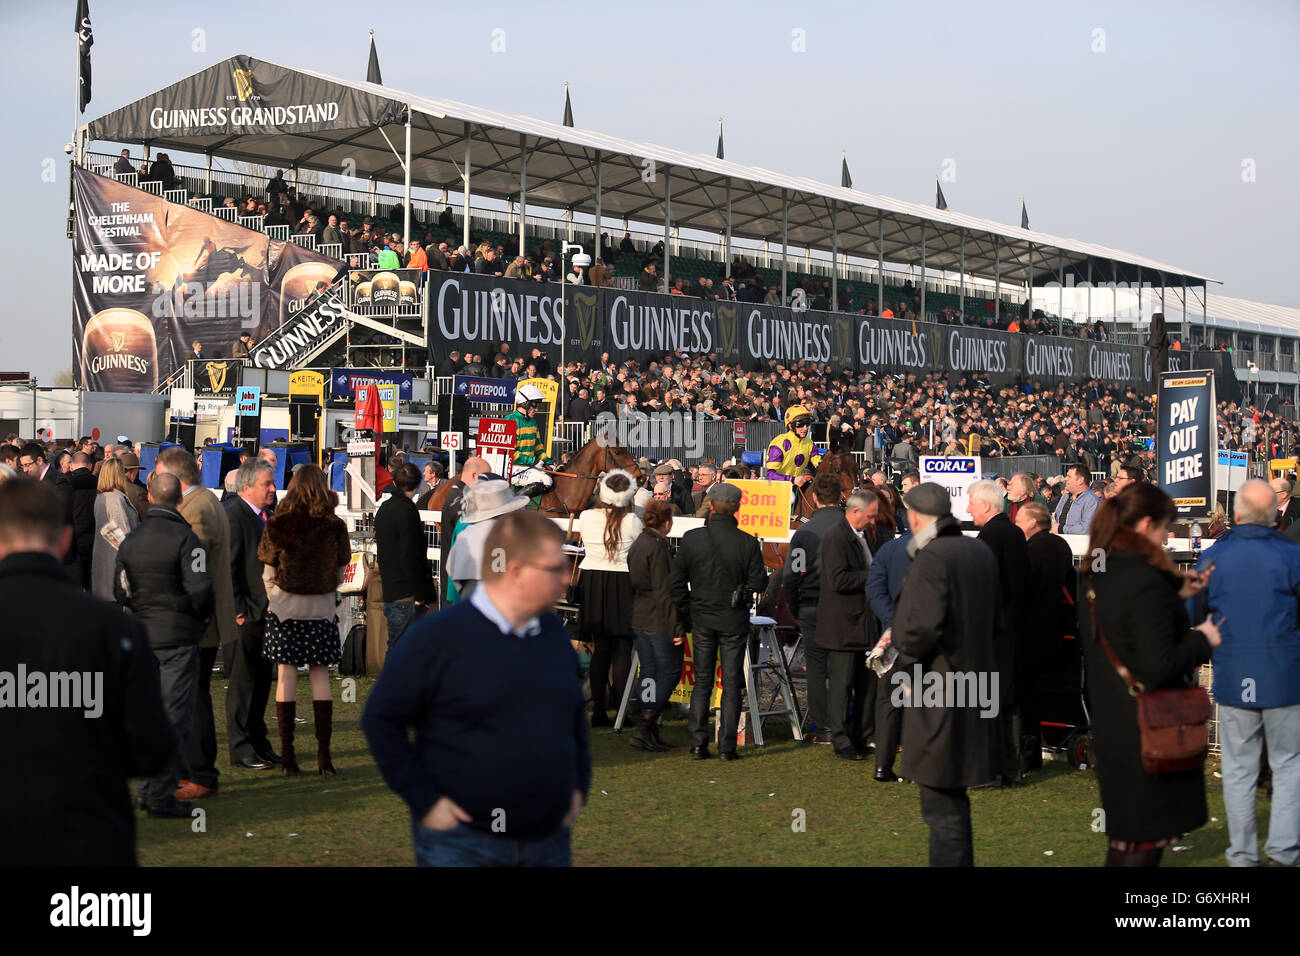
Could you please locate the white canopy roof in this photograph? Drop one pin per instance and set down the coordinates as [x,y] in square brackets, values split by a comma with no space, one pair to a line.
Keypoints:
[562,165]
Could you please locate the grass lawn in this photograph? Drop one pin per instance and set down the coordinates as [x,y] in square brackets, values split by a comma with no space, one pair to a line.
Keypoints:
[651,809]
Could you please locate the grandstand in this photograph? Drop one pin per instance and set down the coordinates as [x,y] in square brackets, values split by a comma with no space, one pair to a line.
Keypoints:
[508,169]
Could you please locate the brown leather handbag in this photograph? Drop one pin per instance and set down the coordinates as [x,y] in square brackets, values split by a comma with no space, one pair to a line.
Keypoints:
[1173,723]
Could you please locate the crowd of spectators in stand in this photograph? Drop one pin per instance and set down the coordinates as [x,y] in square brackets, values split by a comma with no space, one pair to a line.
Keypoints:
[1103,426]
[744,282]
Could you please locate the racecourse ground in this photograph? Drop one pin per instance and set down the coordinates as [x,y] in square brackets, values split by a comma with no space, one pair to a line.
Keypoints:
[652,809]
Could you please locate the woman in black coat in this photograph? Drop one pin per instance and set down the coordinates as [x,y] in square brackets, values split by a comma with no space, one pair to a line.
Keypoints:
[656,633]
[1141,613]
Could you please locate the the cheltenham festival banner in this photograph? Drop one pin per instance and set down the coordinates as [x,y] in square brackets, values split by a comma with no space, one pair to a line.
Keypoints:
[1187,441]
[476,313]
[150,278]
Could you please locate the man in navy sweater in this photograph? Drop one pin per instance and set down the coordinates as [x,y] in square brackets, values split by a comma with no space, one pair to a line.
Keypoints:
[500,765]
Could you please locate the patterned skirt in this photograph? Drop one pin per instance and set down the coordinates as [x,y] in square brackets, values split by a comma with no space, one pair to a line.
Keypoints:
[302,643]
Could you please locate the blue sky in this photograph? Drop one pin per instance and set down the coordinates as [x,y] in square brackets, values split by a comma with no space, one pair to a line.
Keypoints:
[1138,146]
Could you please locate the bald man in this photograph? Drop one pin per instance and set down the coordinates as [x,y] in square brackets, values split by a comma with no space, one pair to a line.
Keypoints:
[1288,509]
[1251,597]
[470,471]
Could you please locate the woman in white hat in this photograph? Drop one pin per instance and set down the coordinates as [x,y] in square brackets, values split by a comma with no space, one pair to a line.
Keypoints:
[483,501]
[605,614]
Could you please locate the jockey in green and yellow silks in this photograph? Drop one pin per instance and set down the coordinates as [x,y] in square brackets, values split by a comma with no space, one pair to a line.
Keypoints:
[529,447]
[791,455]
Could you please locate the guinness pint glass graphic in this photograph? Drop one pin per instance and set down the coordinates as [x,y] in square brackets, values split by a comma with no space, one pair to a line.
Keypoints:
[299,283]
[361,294]
[384,288]
[406,294]
[119,352]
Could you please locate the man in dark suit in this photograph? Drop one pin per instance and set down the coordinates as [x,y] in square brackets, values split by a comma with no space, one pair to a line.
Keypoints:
[1051,660]
[720,563]
[1288,509]
[32,461]
[846,628]
[400,554]
[945,628]
[802,582]
[1007,543]
[250,672]
[76,811]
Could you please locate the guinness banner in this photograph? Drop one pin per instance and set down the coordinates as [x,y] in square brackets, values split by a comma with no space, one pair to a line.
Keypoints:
[476,313]
[243,96]
[150,277]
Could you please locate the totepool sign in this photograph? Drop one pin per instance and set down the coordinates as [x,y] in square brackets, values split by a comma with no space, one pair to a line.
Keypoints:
[956,474]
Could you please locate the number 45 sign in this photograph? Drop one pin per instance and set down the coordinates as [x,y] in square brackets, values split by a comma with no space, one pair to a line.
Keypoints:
[452,441]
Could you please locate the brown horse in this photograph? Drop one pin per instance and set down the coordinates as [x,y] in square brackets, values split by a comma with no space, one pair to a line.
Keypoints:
[575,485]
[844,466]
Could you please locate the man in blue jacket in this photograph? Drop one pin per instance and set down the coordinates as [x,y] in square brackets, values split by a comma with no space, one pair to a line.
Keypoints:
[884,585]
[1255,588]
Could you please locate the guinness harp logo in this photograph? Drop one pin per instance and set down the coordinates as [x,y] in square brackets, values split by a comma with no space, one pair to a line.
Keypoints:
[119,340]
[584,304]
[243,84]
[216,375]
[843,338]
[727,328]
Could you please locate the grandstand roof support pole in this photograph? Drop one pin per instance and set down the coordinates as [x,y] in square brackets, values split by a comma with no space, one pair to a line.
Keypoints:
[466,176]
[1089,306]
[1187,326]
[523,197]
[1139,288]
[599,188]
[1205,322]
[785,241]
[406,190]
[726,249]
[374,196]
[997,281]
[1060,291]
[1114,297]
[880,275]
[1029,313]
[207,177]
[668,218]
[923,225]
[961,301]
[835,257]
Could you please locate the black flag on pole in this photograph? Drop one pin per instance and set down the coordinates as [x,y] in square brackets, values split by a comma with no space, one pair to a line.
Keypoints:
[1024,214]
[85,40]
[720,156]
[372,69]
[939,201]
[845,179]
[568,107]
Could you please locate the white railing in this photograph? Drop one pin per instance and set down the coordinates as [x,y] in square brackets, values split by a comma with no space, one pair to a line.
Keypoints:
[333,250]
[176,195]
[152,186]
[228,213]
[278,232]
[304,239]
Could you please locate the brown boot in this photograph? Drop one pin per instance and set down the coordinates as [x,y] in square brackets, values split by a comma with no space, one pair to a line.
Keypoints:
[323,711]
[654,730]
[643,736]
[284,712]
